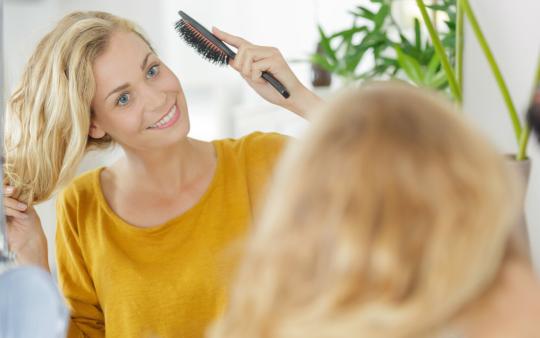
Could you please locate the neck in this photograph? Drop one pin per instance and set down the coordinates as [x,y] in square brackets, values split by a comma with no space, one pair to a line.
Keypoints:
[509,306]
[167,170]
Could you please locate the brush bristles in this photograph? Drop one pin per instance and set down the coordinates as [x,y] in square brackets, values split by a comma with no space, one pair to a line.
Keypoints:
[202,45]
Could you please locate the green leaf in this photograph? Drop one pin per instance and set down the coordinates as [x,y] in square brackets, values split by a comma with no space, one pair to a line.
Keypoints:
[346,32]
[417,34]
[363,12]
[410,66]
[451,25]
[318,59]
[434,64]
[325,44]
[353,60]
[346,38]
[437,7]
[438,81]
[405,42]
[381,16]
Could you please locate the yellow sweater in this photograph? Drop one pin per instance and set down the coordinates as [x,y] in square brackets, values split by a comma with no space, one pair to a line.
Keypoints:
[166,281]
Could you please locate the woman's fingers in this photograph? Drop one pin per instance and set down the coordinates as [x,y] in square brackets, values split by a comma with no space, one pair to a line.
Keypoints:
[232,40]
[13,207]
[258,68]
[14,204]
[252,54]
[10,212]
[246,54]
[8,190]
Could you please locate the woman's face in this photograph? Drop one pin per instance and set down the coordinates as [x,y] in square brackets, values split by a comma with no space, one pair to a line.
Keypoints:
[138,101]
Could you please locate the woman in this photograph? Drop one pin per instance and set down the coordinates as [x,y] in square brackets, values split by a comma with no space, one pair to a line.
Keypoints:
[390,219]
[140,244]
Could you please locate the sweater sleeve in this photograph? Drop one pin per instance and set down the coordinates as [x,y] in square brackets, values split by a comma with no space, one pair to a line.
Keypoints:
[74,279]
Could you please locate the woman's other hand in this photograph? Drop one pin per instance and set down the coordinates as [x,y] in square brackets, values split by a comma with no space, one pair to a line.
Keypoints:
[25,234]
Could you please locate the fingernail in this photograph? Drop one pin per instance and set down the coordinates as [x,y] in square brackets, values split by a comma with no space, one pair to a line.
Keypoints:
[21,206]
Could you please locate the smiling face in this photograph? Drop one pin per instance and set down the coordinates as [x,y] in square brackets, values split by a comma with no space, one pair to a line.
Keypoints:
[138,101]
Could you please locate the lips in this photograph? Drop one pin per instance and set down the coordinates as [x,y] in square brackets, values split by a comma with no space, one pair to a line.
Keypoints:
[166,120]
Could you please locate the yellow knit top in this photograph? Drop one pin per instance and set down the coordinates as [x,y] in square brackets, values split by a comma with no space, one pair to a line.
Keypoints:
[165,281]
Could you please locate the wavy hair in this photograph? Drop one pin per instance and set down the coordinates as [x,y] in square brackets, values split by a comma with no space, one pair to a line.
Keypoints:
[385,221]
[48,114]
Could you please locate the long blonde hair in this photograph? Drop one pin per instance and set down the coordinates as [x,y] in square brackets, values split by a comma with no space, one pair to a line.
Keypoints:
[48,115]
[385,221]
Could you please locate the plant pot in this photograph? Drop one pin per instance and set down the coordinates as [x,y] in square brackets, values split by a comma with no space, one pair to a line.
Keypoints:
[520,234]
[319,76]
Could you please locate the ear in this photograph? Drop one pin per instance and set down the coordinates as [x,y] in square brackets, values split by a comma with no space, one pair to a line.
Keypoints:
[95,130]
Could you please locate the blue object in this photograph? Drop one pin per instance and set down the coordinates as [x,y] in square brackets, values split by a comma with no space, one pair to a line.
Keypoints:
[31,305]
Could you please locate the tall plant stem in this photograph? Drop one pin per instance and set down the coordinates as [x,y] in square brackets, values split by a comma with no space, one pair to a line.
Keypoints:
[459,45]
[494,68]
[523,142]
[454,87]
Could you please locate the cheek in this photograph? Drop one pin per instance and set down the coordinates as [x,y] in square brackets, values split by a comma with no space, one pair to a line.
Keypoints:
[170,81]
[125,122]
[131,119]
[176,87]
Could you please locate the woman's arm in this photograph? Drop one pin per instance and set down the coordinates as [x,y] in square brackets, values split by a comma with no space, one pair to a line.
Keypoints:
[251,60]
[87,319]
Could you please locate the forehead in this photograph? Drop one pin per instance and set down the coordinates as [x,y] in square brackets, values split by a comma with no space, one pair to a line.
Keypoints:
[120,61]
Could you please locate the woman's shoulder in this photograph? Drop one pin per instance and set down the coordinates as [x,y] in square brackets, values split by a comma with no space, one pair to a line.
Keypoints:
[81,187]
[512,307]
[253,157]
[255,144]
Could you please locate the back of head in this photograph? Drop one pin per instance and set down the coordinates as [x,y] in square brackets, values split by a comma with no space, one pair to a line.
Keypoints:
[48,114]
[387,219]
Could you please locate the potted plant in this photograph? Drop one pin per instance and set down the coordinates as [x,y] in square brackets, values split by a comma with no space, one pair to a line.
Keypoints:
[437,63]
[518,162]
[376,36]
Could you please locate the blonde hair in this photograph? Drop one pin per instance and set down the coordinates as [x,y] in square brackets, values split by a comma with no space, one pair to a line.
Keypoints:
[387,219]
[48,115]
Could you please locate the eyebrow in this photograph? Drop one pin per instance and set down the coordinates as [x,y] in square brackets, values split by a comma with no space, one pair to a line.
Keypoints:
[126,85]
[143,64]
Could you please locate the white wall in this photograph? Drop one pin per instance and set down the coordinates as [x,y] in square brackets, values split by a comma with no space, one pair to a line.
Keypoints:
[512,28]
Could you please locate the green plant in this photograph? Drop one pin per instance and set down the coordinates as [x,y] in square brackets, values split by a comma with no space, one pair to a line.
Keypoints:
[522,134]
[436,62]
[376,36]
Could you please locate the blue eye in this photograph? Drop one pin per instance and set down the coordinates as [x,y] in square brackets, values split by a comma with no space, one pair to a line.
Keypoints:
[152,72]
[123,99]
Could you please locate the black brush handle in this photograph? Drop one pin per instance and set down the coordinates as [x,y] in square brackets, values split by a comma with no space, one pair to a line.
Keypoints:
[215,40]
[276,84]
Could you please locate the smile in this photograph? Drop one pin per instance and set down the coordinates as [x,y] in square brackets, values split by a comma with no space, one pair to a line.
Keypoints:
[167,120]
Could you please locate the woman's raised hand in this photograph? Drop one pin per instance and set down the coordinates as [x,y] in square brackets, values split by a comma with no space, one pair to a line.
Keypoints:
[251,60]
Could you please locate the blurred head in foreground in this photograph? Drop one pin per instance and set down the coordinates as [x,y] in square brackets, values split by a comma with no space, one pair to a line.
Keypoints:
[386,220]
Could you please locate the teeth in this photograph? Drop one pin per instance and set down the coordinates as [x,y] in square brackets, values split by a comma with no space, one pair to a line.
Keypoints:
[165,118]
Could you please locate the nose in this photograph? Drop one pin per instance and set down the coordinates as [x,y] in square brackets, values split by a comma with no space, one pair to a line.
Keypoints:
[155,99]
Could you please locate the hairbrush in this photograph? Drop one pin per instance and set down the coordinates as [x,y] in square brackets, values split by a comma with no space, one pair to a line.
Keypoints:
[213,49]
